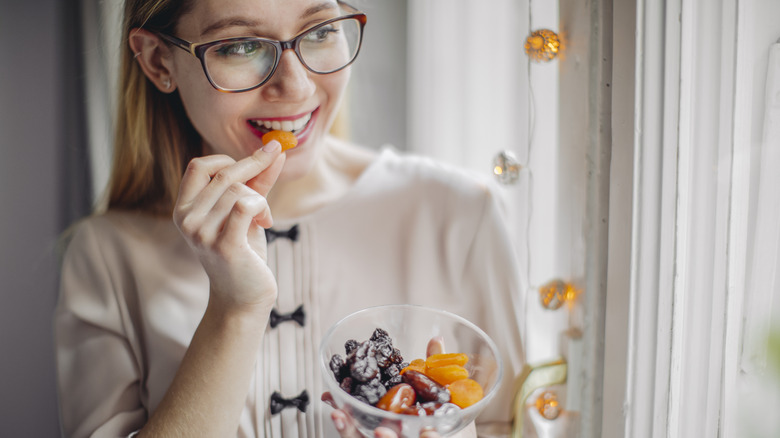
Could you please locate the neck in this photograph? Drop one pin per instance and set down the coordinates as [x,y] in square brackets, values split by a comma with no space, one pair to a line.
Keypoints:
[336,168]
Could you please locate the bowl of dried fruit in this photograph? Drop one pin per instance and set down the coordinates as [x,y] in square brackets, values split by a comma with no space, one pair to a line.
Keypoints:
[409,368]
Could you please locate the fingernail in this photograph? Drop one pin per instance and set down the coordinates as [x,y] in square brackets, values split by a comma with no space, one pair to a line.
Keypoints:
[272,146]
[339,422]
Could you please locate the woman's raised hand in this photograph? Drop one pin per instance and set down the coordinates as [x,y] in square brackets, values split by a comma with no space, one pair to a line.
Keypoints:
[221,211]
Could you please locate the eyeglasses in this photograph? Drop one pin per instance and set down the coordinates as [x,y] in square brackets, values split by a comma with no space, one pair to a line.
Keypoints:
[234,65]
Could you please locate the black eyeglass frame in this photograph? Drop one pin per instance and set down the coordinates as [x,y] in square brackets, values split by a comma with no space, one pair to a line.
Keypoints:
[198,50]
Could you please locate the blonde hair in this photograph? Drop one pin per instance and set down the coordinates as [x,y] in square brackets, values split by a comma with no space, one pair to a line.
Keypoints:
[153,139]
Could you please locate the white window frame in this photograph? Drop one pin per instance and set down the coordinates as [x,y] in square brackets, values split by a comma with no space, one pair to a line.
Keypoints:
[693,155]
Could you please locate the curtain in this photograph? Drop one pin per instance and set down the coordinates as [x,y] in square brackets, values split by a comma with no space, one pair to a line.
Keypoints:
[101,34]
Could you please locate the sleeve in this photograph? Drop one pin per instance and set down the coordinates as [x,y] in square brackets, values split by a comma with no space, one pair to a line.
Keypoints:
[98,374]
[492,269]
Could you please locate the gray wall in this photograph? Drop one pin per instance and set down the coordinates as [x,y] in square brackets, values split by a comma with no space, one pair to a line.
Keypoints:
[377,91]
[31,130]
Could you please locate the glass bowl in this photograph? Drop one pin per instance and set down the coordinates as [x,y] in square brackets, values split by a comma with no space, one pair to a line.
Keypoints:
[411,327]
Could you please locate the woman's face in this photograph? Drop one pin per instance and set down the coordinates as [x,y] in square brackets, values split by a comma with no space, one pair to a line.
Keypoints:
[232,123]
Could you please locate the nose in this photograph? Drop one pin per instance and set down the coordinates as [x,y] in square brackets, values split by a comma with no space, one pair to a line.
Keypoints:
[291,81]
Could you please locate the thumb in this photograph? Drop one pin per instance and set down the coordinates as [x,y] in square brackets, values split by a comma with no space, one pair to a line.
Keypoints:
[263,182]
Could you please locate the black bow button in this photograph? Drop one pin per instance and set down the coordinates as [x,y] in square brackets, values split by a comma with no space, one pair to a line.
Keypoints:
[298,316]
[271,234]
[279,403]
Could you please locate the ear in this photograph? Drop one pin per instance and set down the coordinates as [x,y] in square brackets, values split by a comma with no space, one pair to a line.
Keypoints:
[154,57]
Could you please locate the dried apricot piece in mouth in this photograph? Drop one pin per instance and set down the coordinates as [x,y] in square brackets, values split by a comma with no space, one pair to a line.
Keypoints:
[287,139]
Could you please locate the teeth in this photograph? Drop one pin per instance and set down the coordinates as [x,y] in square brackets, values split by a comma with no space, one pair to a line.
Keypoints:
[286,125]
[300,123]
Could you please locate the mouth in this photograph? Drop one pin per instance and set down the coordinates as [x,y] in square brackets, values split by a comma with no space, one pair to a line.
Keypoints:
[297,124]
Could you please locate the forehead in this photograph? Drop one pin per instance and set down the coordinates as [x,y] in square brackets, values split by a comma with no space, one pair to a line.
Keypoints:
[210,17]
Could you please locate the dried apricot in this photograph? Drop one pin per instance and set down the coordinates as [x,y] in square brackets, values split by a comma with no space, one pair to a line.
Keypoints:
[416,365]
[438,360]
[287,139]
[465,392]
[447,374]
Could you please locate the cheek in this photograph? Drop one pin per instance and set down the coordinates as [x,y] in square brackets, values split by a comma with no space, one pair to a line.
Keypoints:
[333,86]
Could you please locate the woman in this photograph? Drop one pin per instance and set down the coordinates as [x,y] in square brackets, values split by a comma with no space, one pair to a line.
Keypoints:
[195,326]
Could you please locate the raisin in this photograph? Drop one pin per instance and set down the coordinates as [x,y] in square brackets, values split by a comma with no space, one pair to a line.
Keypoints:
[383,352]
[350,345]
[396,358]
[381,334]
[338,367]
[394,381]
[347,384]
[427,390]
[390,371]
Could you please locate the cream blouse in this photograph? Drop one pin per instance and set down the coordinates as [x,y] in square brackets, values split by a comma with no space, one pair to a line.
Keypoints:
[409,231]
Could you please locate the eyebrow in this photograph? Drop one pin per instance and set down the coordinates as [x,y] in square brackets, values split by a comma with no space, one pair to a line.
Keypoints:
[243,22]
[229,22]
[317,8]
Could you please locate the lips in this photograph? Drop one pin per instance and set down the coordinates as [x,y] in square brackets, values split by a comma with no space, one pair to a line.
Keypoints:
[301,125]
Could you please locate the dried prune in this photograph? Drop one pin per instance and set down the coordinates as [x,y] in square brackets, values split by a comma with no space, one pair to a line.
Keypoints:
[362,363]
[427,390]
[371,391]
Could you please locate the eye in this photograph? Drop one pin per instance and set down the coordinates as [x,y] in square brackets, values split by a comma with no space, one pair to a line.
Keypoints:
[322,34]
[239,49]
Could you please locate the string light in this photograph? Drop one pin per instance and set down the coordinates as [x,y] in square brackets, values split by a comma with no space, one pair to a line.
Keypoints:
[542,45]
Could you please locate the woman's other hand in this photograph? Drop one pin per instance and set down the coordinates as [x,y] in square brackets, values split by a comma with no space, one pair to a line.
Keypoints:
[222,219]
[346,426]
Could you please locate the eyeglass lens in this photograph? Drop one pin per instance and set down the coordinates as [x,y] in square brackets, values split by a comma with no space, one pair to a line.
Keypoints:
[242,64]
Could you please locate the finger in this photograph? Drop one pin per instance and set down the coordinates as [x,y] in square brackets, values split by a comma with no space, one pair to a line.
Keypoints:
[214,219]
[383,432]
[429,434]
[242,216]
[328,399]
[344,425]
[435,346]
[240,172]
[265,181]
[198,175]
